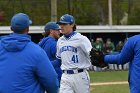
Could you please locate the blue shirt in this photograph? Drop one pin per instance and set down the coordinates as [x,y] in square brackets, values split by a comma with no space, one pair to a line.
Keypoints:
[129,53]
[25,67]
[49,45]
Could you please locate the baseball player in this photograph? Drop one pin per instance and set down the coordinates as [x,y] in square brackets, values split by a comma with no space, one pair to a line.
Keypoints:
[48,43]
[24,66]
[73,50]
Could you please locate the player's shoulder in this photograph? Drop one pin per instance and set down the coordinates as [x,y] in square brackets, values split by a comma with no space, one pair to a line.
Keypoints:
[80,36]
[34,48]
[134,38]
[61,38]
[77,35]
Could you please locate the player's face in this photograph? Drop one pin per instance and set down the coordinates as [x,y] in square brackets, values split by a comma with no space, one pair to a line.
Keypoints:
[55,33]
[66,28]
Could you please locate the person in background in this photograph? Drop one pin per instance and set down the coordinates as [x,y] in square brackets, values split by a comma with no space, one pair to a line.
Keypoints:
[48,43]
[24,66]
[99,45]
[109,47]
[126,65]
[118,48]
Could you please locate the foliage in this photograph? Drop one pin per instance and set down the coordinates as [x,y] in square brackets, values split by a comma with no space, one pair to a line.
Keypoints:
[108,76]
[86,12]
[110,89]
[135,15]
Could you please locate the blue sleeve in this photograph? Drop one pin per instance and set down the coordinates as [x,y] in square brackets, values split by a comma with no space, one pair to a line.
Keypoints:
[126,54]
[53,48]
[46,73]
[56,63]
[39,43]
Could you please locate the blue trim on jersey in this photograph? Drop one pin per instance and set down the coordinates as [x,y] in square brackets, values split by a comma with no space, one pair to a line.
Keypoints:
[58,57]
[67,37]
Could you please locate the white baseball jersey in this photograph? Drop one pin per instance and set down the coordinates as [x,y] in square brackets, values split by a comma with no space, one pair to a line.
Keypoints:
[74,52]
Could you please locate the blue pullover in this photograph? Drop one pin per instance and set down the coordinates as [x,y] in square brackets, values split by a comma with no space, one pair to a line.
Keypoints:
[49,45]
[129,53]
[25,67]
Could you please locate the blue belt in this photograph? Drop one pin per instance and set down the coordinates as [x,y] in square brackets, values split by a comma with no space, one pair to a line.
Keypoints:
[72,71]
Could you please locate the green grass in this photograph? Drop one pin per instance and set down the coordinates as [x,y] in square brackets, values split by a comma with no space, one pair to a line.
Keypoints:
[110,89]
[109,76]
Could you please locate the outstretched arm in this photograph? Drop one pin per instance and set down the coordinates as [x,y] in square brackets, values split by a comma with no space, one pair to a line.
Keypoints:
[56,63]
[46,73]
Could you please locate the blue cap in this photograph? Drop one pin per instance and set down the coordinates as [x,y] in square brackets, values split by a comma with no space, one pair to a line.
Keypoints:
[20,21]
[66,19]
[51,25]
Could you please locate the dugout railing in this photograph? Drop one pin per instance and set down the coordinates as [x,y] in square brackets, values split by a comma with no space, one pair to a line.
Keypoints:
[116,33]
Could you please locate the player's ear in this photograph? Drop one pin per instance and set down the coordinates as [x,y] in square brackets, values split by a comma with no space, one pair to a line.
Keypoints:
[51,31]
[72,25]
[11,29]
[46,33]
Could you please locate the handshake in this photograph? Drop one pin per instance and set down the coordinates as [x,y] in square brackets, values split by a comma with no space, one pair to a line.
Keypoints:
[97,58]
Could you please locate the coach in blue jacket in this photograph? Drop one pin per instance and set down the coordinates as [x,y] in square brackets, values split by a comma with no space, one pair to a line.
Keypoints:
[129,53]
[24,66]
[48,43]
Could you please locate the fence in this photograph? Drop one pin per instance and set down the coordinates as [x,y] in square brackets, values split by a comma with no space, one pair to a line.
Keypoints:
[89,31]
[84,29]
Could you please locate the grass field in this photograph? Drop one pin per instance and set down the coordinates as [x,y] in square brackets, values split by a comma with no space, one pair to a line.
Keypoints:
[110,76]
[110,89]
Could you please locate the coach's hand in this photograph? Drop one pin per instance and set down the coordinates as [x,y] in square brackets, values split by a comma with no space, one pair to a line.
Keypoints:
[97,58]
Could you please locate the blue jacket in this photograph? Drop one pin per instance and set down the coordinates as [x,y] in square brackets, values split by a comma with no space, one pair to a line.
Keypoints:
[49,45]
[130,53]
[25,67]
